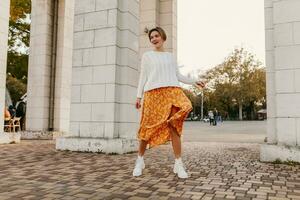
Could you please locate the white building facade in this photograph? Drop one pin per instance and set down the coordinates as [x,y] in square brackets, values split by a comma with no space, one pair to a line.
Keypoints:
[84,69]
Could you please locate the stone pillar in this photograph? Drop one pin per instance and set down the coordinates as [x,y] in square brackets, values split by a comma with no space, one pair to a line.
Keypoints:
[39,68]
[283,64]
[270,73]
[4,19]
[104,77]
[50,67]
[63,72]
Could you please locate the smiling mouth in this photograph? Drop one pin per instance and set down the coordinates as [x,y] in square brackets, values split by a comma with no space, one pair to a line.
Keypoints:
[155,42]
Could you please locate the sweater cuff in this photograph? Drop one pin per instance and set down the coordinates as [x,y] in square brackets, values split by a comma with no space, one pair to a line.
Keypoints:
[139,94]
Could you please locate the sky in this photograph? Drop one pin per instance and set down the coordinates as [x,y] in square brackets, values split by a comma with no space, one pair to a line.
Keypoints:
[208,30]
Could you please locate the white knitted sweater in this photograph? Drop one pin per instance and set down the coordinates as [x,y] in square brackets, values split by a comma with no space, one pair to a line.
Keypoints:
[159,69]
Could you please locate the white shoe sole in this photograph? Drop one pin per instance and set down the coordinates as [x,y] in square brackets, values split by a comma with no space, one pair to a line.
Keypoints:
[183,177]
[175,172]
[136,175]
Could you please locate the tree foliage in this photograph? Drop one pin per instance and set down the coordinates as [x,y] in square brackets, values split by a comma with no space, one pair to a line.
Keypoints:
[238,82]
[19,24]
[18,46]
[17,66]
[16,88]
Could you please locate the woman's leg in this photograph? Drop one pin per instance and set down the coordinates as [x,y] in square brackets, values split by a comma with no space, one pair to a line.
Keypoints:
[176,142]
[139,163]
[178,166]
[142,147]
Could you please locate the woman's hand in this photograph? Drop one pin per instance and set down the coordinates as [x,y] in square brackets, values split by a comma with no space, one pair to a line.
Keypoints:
[138,103]
[200,84]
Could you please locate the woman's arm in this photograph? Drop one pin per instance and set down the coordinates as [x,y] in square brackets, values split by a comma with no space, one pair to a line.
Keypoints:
[184,79]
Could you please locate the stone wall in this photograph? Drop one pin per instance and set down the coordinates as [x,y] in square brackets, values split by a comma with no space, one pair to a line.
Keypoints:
[51,46]
[283,79]
[104,76]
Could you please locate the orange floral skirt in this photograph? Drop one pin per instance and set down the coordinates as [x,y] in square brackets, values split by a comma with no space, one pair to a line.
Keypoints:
[162,108]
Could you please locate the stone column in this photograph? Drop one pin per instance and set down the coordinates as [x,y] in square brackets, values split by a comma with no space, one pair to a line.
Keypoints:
[50,68]
[104,77]
[283,81]
[4,19]
[63,72]
[270,73]
[39,68]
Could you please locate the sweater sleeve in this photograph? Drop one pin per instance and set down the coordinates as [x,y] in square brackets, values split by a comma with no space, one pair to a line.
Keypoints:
[143,77]
[184,79]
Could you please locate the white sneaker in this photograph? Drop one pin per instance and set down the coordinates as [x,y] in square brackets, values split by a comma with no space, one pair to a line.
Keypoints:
[179,169]
[139,166]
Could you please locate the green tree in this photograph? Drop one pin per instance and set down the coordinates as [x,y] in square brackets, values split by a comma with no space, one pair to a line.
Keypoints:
[19,24]
[18,48]
[16,88]
[18,40]
[237,83]
[192,97]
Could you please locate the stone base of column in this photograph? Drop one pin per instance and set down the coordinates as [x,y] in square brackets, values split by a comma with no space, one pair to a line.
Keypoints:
[8,138]
[269,153]
[99,145]
[40,135]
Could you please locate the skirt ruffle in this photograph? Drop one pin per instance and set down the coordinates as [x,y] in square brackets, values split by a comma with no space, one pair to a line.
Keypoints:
[163,109]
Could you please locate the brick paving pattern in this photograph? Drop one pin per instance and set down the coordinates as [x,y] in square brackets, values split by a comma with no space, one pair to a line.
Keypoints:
[35,170]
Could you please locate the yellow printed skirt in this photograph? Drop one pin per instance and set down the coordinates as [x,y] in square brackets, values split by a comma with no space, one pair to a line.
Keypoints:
[162,108]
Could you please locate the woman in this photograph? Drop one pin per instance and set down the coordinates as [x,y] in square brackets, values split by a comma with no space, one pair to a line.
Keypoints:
[165,106]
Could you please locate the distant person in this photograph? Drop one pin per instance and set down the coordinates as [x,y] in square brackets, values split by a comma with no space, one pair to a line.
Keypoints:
[12,111]
[7,118]
[211,117]
[215,116]
[7,115]
[226,116]
[21,112]
[165,105]
[219,117]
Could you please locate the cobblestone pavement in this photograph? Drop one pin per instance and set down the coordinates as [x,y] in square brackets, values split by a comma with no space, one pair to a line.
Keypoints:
[35,170]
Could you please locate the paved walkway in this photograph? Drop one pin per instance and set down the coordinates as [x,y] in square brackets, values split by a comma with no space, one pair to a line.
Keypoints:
[35,170]
[228,131]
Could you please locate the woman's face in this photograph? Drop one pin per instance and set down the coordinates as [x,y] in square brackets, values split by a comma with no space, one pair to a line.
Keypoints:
[156,40]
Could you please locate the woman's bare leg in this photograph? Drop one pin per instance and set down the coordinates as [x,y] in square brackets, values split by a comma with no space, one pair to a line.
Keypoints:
[178,166]
[139,163]
[142,147]
[176,143]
